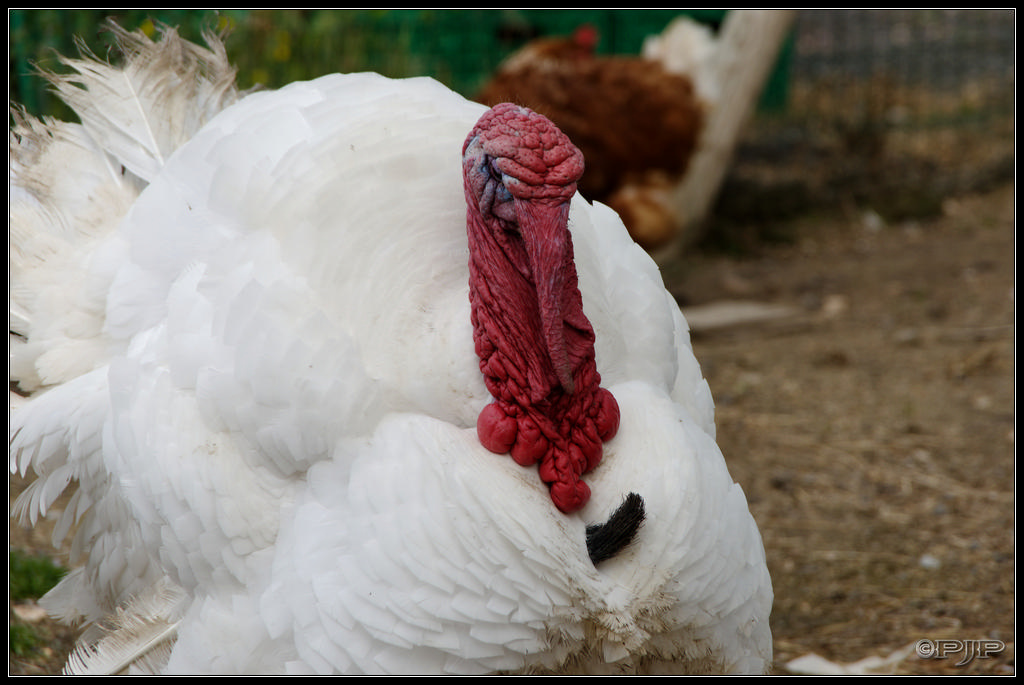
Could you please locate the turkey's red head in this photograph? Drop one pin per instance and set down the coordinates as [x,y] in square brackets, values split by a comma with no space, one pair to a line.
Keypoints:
[535,344]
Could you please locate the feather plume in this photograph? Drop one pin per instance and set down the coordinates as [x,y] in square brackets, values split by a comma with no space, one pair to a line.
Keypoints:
[139,635]
[143,111]
[70,184]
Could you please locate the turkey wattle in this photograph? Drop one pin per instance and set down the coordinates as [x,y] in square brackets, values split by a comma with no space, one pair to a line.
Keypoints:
[535,344]
[258,345]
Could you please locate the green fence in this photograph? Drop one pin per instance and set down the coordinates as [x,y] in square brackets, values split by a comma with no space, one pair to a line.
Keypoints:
[859,98]
[272,47]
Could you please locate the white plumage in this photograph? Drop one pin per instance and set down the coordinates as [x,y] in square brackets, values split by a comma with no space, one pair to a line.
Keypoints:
[248,342]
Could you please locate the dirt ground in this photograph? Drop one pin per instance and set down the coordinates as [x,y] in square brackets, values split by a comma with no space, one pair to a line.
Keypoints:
[873,431]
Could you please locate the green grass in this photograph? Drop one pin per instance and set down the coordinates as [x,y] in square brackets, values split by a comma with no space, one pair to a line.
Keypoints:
[23,640]
[31,577]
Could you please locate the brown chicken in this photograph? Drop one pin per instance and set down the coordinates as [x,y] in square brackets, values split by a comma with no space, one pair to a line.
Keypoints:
[636,123]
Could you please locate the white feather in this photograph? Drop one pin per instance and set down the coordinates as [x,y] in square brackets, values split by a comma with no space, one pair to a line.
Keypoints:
[140,632]
[71,183]
[274,417]
[142,112]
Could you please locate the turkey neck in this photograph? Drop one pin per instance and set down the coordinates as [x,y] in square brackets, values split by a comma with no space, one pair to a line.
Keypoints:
[529,321]
[535,344]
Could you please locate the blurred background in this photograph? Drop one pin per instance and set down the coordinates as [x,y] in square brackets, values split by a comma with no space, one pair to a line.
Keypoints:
[895,109]
[460,48]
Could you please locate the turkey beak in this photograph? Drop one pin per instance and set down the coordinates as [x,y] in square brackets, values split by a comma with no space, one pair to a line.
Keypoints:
[544,226]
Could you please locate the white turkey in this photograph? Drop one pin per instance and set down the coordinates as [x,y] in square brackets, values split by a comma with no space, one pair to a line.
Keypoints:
[346,378]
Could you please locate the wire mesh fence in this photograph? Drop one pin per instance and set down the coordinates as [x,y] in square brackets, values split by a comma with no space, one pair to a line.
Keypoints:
[893,108]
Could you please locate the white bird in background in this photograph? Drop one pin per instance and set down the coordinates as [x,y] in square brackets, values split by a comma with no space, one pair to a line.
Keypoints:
[279,381]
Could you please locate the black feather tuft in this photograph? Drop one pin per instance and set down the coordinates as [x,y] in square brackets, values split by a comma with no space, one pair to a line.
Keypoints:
[605,540]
